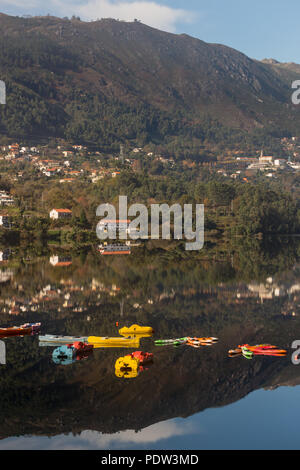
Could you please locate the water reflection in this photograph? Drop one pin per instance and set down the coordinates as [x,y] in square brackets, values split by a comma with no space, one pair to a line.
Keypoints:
[157,433]
[179,296]
[131,365]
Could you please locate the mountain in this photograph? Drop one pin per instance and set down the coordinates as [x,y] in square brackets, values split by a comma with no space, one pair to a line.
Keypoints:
[112,80]
[290,66]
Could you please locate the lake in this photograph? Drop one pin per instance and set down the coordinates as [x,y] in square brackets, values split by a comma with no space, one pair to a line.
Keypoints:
[187,398]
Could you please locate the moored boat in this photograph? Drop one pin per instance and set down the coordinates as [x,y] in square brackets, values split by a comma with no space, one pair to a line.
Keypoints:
[96,341]
[109,342]
[69,353]
[23,330]
[247,353]
[81,347]
[171,342]
[114,249]
[142,357]
[257,350]
[145,331]
[56,339]
[198,342]
[235,352]
[264,350]
[127,367]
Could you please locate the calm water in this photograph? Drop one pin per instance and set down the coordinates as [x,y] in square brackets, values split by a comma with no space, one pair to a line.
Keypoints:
[188,398]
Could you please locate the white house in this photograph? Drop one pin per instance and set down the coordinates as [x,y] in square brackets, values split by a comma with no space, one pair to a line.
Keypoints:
[60,261]
[4,220]
[50,172]
[280,162]
[4,255]
[6,199]
[60,213]
[68,153]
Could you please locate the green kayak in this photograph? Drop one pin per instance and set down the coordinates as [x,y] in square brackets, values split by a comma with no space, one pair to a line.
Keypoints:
[172,342]
[247,353]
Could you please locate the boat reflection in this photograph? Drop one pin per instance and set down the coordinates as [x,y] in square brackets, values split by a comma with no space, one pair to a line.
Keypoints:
[131,365]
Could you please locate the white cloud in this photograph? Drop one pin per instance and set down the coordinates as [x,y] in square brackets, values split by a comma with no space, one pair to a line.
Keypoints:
[151,13]
[96,440]
[17,4]
[148,12]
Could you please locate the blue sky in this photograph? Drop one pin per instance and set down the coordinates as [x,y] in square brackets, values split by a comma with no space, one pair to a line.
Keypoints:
[259,28]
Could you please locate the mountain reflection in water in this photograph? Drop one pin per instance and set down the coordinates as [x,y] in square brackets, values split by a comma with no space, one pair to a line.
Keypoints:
[250,296]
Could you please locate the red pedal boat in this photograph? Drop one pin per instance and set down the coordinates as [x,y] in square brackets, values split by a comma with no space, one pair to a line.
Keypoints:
[142,357]
[80,347]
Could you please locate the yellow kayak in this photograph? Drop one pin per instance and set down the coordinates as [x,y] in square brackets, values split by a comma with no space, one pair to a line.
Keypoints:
[108,342]
[127,367]
[136,330]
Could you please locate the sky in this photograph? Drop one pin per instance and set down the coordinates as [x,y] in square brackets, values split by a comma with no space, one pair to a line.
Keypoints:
[258,28]
[269,419]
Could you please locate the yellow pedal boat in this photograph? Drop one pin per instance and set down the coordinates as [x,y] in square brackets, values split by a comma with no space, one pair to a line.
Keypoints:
[137,330]
[127,367]
[108,342]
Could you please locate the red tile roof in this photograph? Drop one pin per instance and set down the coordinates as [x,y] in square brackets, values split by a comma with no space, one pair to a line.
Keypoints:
[63,210]
[64,263]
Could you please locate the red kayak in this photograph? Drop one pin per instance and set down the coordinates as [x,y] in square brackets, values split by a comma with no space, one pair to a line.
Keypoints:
[265,350]
[23,330]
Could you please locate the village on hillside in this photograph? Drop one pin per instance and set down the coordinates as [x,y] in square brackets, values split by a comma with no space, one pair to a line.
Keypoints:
[66,164]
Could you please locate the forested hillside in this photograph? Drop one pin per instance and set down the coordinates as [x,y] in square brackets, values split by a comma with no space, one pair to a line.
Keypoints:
[110,81]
